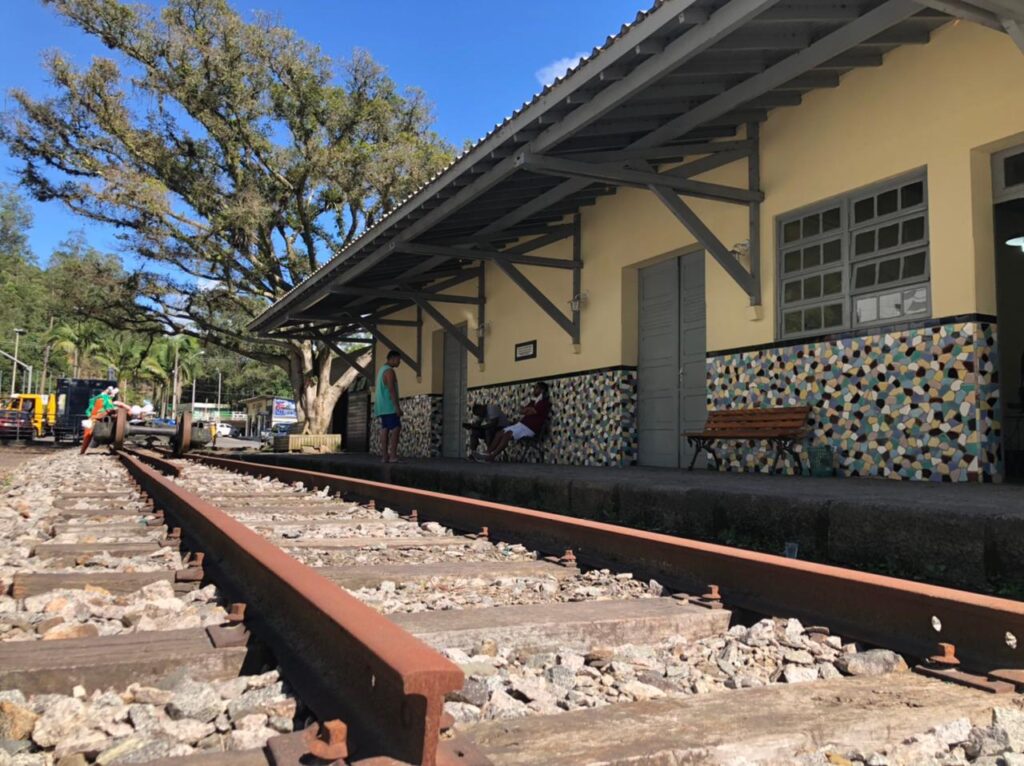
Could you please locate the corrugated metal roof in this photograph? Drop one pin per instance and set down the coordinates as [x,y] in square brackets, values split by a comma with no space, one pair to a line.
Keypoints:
[784,29]
[465,155]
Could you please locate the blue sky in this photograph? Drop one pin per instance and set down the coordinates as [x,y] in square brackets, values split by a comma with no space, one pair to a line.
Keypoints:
[476,60]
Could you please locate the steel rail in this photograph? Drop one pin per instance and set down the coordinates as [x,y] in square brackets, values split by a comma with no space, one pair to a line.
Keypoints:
[906,616]
[345,660]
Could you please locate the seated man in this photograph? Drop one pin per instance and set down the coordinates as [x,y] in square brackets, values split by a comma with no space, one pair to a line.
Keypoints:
[487,419]
[534,414]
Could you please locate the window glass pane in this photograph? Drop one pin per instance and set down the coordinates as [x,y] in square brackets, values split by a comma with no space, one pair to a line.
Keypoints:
[889,305]
[832,283]
[1013,170]
[833,314]
[915,301]
[864,243]
[866,309]
[812,287]
[912,194]
[889,236]
[913,230]
[791,261]
[888,202]
[889,271]
[865,276]
[791,292]
[812,225]
[792,322]
[812,318]
[791,231]
[831,219]
[832,251]
[864,210]
[913,265]
[812,256]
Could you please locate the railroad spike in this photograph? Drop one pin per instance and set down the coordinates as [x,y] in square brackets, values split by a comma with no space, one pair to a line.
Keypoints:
[946,655]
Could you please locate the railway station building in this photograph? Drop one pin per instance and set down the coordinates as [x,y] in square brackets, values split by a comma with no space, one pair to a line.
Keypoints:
[729,204]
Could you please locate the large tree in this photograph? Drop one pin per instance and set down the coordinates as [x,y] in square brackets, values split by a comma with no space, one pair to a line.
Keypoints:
[232,156]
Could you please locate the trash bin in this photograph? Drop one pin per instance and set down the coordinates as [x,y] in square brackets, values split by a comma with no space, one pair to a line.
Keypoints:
[821,461]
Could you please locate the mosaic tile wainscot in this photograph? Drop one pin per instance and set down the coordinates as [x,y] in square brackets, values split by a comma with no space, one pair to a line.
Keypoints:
[593,416]
[912,404]
[421,427]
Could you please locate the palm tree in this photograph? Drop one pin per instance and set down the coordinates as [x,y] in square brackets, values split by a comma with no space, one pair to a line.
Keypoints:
[124,352]
[77,341]
[182,351]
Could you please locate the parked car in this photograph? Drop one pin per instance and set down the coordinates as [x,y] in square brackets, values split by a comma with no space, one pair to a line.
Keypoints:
[278,429]
[16,424]
[226,429]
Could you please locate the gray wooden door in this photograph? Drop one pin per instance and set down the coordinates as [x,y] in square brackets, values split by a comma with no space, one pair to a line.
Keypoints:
[453,410]
[672,387]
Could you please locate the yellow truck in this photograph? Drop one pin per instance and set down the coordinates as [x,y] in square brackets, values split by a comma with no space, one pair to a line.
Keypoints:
[42,409]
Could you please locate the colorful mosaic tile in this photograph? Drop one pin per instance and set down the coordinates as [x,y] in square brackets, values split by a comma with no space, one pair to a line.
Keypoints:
[593,417]
[421,427]
[916,404]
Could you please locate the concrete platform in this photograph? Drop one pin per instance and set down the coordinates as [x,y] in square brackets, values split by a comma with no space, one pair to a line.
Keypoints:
[770,725]
[969,536]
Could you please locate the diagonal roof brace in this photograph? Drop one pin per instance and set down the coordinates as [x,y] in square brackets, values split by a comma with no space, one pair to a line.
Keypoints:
[705,237]
[456,332]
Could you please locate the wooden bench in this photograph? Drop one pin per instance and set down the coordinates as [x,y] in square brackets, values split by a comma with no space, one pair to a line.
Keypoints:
[781,427]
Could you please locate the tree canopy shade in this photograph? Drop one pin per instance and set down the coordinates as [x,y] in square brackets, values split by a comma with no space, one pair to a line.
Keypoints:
[232,156]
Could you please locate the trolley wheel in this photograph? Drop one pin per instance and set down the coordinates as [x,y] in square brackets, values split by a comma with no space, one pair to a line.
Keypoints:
[183,438]
[120,428]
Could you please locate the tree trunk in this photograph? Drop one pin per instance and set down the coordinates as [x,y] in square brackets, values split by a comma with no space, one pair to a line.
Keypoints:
[46,360]
[316,395]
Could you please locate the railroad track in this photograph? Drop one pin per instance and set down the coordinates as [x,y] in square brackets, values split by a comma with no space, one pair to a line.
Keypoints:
[214,611]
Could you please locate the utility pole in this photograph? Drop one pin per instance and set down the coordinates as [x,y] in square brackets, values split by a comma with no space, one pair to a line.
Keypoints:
[18,332]
[218,396]
[175,392]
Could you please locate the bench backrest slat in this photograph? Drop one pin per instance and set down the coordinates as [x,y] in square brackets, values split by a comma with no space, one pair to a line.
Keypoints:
[770,420]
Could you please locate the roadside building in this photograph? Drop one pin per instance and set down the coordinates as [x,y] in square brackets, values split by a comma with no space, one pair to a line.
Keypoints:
[263,412]
[729,204]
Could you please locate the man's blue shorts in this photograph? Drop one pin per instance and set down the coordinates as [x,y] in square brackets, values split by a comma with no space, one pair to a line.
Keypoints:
[390,422]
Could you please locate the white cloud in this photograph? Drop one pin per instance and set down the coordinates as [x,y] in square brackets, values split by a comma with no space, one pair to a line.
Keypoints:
[546,75]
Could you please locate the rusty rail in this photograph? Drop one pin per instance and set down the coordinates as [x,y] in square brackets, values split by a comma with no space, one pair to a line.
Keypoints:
[345,660]
[906,616]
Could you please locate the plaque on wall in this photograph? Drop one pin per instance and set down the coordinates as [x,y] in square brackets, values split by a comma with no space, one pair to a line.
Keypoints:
[526,350]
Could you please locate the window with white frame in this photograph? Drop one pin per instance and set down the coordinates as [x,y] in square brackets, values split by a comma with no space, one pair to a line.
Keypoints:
[855,261]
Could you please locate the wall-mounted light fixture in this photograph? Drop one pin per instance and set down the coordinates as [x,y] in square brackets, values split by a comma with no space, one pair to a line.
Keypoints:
[483,329]
[1017,242]
[578,301]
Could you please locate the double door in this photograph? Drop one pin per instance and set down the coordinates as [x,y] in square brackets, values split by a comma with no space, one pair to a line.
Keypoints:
[672,378]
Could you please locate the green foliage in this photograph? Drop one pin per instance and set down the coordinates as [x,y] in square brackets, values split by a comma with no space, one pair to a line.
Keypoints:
[233,153]
[54,305]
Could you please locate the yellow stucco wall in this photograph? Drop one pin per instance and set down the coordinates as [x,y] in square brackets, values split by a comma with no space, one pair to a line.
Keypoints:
[944,106]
